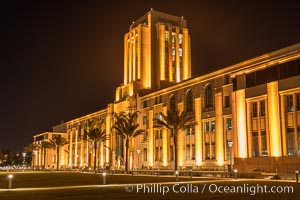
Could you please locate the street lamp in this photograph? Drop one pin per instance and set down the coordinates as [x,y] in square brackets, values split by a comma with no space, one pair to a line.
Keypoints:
[235,173]
[230,143]
[24,155]
[138,152]
[104,178]
[176,173]
[10,177]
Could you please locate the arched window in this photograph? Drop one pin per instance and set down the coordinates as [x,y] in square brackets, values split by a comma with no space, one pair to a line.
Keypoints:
[189,101]
[172,103]
[208,98]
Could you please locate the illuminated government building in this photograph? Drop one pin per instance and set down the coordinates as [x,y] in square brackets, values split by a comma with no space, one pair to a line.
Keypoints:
[246,115]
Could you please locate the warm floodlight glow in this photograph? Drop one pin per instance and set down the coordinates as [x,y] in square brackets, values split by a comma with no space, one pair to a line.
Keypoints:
[10,176]
[198,127]
[219,129]
[151,138]
[104,174]
[241,123]
[274,121]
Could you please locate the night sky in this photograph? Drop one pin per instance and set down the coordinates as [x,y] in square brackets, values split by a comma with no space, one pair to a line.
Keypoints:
[61,60]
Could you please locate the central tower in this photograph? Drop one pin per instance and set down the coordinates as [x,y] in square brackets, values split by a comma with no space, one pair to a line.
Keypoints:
[156,53]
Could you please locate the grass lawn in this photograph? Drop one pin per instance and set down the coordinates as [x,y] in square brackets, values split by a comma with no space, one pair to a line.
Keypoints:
[188,190]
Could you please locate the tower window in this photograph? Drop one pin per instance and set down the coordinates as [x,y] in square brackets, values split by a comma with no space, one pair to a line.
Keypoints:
[189,101]
[172,103]
[208,99]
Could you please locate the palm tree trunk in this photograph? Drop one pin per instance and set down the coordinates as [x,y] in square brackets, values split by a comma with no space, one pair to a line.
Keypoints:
[175,136]
[95,156]
[57,159]
[127,149]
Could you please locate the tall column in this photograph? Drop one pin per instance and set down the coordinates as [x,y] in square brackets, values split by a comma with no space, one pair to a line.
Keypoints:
[81,149]
[151,138]
[178,74]
[76,147]
[181,141]
[71,148]
[125,59]
[101,152]
[283,124]
[198,131]
[274,119]
[219,129]
[186,54]
[162,51]
[241,131]
[87,152]
[165,141]
[107,142]
[138,54]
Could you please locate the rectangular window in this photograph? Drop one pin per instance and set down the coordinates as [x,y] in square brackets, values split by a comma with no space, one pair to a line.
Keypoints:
[213,151]
[155,117]
[254,109]
[171,153]
[193,130]
[160,116]
[289,103]
[226,79]
[180,38]
[213,126]
[206,127]
[228,124]
[298,101]
[156,134]
[262,108]
[156,154]
[144,104]
[180,52]
[145,120]
[226,101]
[166,35]
[173,38]
[207,151]
[291,146]
[255,151]
[188,131]
[145,135]
[188,152]
[145,154]
[263,138]
[160,154]
[193,152]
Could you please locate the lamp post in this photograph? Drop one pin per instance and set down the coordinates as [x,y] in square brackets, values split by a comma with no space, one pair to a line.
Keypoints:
[104,178]
[24,156]
[230,143]
[235,173]
[138,152]
[34,155]
[176,173]
[10,177]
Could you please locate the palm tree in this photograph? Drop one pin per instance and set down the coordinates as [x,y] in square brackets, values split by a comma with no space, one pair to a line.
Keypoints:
[175,122]
[126,125]
[57,142]
[45,145]
[32,149]
[95,132]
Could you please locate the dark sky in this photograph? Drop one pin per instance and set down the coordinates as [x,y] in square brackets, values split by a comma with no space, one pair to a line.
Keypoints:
[64,59]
